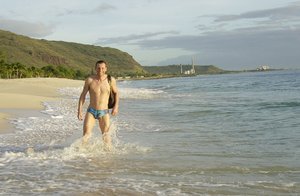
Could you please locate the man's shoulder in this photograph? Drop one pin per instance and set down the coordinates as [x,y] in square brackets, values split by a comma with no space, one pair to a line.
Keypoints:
[89,79]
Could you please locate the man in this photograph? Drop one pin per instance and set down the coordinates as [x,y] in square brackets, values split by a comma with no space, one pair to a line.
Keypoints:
[99,88]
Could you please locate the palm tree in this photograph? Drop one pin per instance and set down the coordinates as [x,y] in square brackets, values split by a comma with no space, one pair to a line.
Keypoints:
[9,70]
[18,70]
[34,72]
[22,70]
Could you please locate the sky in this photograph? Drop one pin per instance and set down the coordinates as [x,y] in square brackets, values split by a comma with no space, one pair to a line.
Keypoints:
[231,34]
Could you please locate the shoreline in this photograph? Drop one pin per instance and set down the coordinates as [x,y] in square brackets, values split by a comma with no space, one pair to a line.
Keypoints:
[4,125]
[19,97]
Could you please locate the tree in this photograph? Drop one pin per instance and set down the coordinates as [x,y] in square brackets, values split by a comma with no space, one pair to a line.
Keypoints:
[49,71]
[21,70]
[33,72]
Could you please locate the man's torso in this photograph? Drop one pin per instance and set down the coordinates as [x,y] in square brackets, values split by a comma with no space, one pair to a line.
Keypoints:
[99,93]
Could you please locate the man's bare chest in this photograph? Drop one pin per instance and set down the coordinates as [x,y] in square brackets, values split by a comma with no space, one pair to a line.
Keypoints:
[99,88]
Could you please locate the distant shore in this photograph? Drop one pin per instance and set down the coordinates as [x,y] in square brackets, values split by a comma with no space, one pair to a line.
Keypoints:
[28,94]
[163,76]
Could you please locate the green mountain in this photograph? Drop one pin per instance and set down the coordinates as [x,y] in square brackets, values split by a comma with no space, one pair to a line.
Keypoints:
[39,53]
[176,69]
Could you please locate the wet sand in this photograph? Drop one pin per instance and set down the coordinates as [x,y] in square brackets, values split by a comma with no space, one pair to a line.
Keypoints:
[17,95]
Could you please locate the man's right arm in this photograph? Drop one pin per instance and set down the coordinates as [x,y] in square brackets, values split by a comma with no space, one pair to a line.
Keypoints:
[82,98]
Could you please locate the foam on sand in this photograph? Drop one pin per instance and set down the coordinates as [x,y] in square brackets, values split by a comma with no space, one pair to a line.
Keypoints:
[29,93]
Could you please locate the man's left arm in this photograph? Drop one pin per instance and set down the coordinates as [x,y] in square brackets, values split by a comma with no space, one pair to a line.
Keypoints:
[115,90]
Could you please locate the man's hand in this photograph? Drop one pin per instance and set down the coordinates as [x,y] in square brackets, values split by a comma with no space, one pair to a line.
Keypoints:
[79,115]
[115,111]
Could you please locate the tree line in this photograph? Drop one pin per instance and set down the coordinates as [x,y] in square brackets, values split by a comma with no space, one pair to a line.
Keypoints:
[18,70]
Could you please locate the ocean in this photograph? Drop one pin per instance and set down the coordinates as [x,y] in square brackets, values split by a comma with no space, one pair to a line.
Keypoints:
[230,134]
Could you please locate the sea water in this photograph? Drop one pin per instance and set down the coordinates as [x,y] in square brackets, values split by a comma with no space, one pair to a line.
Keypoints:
[231,134]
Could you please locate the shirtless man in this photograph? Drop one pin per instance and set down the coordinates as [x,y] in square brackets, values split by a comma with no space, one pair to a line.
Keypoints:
[99,90]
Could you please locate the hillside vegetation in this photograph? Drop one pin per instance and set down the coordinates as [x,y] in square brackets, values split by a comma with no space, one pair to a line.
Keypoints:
[39,53]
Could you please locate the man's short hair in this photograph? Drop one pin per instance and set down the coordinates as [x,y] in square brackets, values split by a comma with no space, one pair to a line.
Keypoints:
[99,62]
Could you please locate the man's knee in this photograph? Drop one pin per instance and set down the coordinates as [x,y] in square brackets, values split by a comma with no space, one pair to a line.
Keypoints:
[104,126]
[105,129]
[87,134]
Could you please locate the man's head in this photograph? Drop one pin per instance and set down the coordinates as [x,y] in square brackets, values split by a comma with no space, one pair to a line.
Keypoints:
[101,67]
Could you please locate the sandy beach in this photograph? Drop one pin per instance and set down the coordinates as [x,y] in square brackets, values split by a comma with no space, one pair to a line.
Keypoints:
[28,94]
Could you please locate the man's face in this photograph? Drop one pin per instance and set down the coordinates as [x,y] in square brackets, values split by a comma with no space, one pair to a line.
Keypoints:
[101,68]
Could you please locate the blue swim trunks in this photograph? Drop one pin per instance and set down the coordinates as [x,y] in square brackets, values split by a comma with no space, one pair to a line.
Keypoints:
[97,113]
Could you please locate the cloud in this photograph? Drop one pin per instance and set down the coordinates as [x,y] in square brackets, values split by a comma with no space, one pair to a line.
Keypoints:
[267,19]
[100,9]
[232,39]
[287,12]
[30,29]
[132,39]
[103,8]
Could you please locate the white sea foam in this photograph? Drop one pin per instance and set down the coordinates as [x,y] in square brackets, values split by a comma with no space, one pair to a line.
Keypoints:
[94,149]
[140,93]
[57,116]
[132,93]
[170,191]
[70,92]
[45,137]
[57,124]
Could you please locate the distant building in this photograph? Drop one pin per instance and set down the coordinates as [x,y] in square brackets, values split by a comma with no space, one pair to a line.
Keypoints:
[191,71]
[180,68]
[263,68]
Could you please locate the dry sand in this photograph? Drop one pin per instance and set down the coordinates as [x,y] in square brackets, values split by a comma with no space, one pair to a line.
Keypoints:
[28,94]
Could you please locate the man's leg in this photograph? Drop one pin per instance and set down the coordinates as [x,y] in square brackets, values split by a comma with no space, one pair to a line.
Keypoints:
[88,125]
[104,125]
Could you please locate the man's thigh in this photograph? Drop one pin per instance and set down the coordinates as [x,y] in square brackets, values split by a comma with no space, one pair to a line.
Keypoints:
[89,122]
[104,123]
